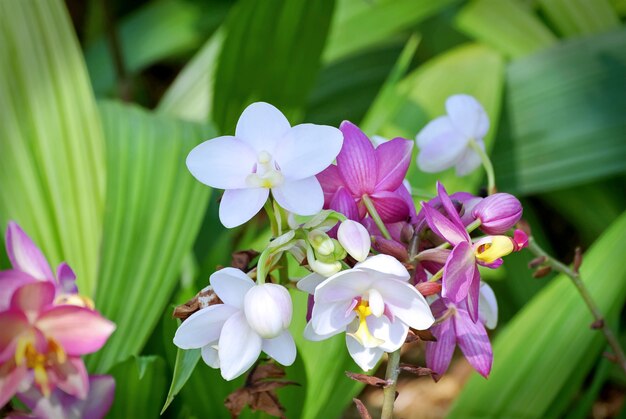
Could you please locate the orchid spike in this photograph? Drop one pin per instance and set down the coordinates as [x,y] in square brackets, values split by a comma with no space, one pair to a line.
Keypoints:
[363,170]
[373,303]
[251,319]
[445,141]
[42,343]
[266,153]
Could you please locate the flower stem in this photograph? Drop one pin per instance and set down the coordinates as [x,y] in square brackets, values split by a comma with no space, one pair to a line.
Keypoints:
[491,177]
[371,209]
[269,209]
[586,295]
[389,393]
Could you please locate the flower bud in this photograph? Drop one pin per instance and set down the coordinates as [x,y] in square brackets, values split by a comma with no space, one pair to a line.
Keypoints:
[355,239]
[326,269]
[498,213]
[322,244]
[268,309]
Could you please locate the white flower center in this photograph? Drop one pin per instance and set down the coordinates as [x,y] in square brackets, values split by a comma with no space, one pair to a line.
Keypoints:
[266,173]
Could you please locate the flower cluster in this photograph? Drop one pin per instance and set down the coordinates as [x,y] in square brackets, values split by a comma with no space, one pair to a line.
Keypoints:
[45,328]
[379,267]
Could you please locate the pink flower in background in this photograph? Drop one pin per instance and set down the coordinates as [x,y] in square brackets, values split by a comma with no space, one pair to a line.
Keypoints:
[364,170]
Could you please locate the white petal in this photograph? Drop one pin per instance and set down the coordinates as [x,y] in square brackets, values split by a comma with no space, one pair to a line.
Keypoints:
[406,303]
[203,326]
[344,286]
[210,355]
[487,306]
[309,333]
[469,161]
[331,318]
[393,334]
[366,358]
[307,150]
[223,162]
[239,347]
[355,239]
[262,126]
[310,282]
[385,264]
[282,348]
[377,305]
[432,131]
[240,205]
[468,115]
[231,285]
[442,153]
[302,197]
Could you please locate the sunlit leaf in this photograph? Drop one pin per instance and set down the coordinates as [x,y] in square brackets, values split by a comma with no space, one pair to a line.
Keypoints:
[185,364]
[580,17]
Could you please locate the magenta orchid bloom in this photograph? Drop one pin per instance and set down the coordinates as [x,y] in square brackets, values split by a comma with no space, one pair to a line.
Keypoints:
[363,170]
[41,343]
[461,279]
[30,265]
[61,405]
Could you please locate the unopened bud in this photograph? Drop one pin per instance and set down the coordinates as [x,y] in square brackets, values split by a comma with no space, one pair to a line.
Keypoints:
[390,247]
[578,259]
[268,309]
[428,288]
[355,239]
[322,244]
[498,213]
[541,272]
[537,262]
[406,234]
[323,268]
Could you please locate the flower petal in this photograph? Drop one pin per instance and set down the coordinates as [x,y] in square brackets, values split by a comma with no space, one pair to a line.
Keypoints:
[344,203]
[405,303]
[443,227]
[439,353]
[310,282]
[487,306]
[357,160]
[467,116]
[100,398]
[474,342]
[330,180]
[473,296]
[12,324]
[391,206]
[385,264]
[71,377]
[10,281]
[343,286]
[469,161]
[458,273]
[240,205]
[355,239]
[25,255]
[307,150]
[203,327]
[365,358]
[393,158]
[210,355]
[239,347]
[392,333]
[223,162]
[441,146]
[309,333]
[331,318]
[231,285]
[10,380]
[282,348]
[33,297]
[302,197]
[66,279]
[262,127]
[453,214]
[78,330]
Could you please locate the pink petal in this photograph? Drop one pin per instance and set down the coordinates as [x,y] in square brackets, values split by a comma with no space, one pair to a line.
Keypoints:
[344,203]
[404,193]
[443,227]
[67,279]
[77,329]
[10,281]
[71,377]
[331,181]
[453,215]
[458,273]
[100,398]
[32,298]
[439,354]
[357,160]
[10,379]
[393,158]
[12,324]
[390,206]
[474,342]
[24,255]
[473,296]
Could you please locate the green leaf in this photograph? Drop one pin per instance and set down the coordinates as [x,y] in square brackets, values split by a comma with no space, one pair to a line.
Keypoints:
[139,387]
[51,165]
[557,138]
[271,53]
[186,362]
[580,17]
[154,212]
[550,338]
[359,24]
[505,25]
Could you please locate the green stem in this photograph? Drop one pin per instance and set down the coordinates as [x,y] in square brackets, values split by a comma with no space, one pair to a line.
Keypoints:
[389,393]
[269,209]
[491,177]
[586,295]
[371,209]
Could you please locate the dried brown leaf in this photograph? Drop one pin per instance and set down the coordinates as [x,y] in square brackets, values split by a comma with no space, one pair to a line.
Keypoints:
[241,259]
[205,298]
[367,379]
[414,369]
[362,409]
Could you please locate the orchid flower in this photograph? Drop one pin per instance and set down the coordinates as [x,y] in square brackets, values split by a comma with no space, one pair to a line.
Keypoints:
[252,318]
[60,405]
[266,153]
[373,303]
[364,171]
[30,265]
[446,141]
[41,343]
[461,278]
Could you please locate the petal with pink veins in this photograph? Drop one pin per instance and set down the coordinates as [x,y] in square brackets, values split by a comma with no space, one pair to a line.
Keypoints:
[439,353]
[25,255]
[239,347]
[453,214]
[331,181]
[393,158]
[32,298]
[474,342]
[473,296]
[443,227]
[458,273]
[10,281]
[203,326]
[13,323]
[302,196]
[357,160]
[344,203]
[67,279]
[231,286]
[262,127]
[390,206]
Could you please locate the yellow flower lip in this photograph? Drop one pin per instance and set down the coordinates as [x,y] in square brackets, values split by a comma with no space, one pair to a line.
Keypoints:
[27,354]
[362,334]
[491,248]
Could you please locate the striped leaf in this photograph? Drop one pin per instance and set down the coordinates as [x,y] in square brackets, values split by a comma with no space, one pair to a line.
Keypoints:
[580,17]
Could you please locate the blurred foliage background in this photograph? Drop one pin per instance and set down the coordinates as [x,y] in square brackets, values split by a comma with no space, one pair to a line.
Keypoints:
[101,100]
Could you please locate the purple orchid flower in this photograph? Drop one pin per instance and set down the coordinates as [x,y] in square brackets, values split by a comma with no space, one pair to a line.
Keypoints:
[363,170]
[61,405]
[456,327]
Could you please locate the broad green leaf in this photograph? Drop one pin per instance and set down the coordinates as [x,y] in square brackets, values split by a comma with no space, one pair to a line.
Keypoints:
[505,25]
[186,362]
[550,338]
[51,143]
[154,212]
[139,387]
[271,52]
[557,139]
[359,24]
[580,17]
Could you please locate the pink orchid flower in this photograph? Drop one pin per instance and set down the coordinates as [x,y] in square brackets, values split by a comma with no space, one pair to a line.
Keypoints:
[41,343]
[363,170]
